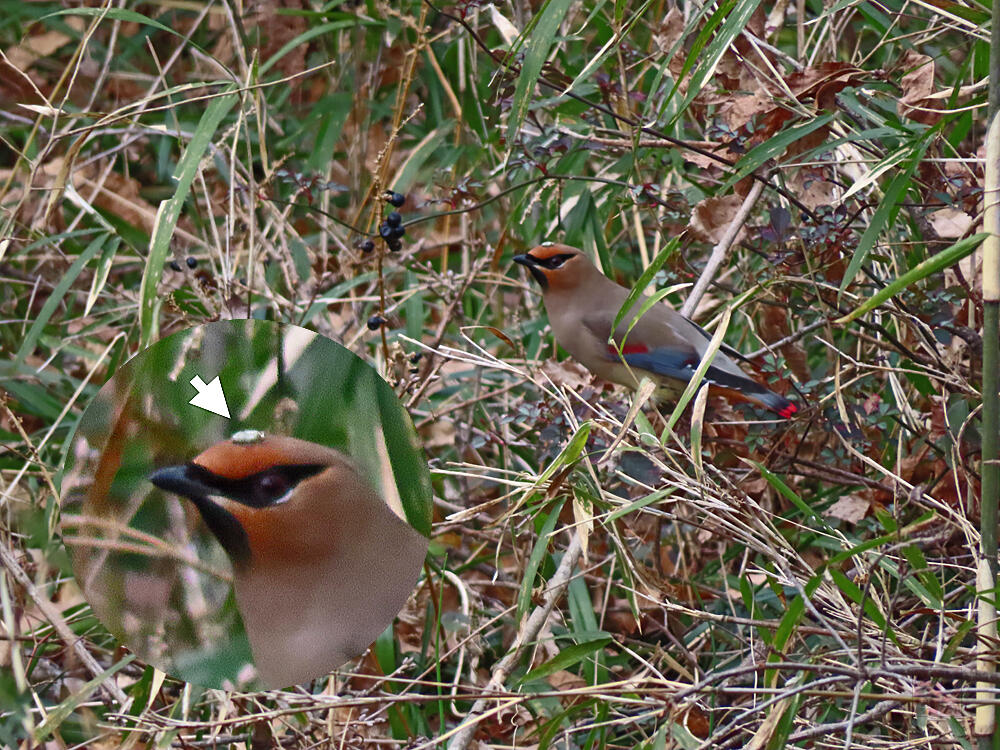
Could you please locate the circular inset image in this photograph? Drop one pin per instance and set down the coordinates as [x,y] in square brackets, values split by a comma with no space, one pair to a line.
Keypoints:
[245,504]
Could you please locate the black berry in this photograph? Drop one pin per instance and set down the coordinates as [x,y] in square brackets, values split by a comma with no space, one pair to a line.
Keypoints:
[393,219]
[192,262]
[175,266]
[367,246]
[396,199]
[375,322]
[397,233]
[395,245]
[385,231]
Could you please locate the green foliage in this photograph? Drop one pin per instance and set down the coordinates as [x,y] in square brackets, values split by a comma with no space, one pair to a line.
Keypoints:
[717,548]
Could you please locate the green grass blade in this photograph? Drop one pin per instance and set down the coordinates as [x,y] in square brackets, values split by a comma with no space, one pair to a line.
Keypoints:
[775,481]
[644,281]
[170,210]
[566,658]
[922,270]
[885,214]
[609,46]
[537,50]
[60,713]
[52,303]
[535,560]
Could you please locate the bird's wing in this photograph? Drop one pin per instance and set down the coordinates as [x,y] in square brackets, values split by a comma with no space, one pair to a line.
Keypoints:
[661,344]
[724,348]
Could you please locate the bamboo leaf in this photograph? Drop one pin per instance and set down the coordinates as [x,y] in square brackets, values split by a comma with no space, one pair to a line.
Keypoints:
[772,148]
[115,14]
[734,22]
[536,51]
[885,214]
[566,658]
[775,481]
[610,45]
[922,270]
[535,559]
[699,374]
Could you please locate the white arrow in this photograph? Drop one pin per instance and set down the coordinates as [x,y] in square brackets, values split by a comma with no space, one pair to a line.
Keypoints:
[210,397]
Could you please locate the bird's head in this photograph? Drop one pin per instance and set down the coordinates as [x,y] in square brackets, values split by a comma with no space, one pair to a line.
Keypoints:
[268,499]
[557,266]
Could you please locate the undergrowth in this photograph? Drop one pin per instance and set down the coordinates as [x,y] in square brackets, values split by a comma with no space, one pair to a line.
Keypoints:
[600,576]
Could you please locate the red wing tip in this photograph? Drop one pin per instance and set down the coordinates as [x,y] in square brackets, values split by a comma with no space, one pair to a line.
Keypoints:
[629,349]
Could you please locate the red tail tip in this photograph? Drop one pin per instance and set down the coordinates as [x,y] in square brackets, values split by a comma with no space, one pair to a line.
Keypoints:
[785,412]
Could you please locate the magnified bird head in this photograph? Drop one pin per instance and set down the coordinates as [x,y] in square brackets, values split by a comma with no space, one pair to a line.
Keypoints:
[556,266]
[267,499]
[321,563]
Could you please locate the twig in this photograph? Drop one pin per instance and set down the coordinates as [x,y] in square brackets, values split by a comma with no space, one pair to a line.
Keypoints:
[557,585]
[790,339]
[58,622]
[719,251]
[880,709]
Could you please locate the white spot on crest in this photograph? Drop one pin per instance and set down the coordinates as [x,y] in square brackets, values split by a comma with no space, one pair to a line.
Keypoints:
[247,437]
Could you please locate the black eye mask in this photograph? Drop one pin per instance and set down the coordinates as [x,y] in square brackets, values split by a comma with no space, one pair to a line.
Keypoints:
[554,261]
[258,490]
[535,265]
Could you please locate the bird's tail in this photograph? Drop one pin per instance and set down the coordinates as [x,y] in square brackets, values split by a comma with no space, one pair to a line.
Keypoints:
[672,363]
[750,390]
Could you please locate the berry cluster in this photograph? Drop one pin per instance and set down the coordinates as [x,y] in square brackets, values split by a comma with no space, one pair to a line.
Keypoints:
[391,229]
[191,263]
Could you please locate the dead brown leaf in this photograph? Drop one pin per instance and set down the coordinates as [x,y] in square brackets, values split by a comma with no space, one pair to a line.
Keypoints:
[24,55]
[565,680]
[740,108]
[824,81]
[706,162]
[918,86]
[950,223]
[670,31]
[712,216]
[811,191]
[567,373]
[850,508]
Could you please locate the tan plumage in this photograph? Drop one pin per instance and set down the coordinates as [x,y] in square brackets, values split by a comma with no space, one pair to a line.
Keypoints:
[582,304]
[321,564]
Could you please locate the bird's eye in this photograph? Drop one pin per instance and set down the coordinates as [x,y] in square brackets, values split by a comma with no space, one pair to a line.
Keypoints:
[272,486]
[558,261]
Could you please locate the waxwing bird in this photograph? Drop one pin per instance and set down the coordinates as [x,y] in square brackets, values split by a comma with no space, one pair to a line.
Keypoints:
[582,304]
[321,564]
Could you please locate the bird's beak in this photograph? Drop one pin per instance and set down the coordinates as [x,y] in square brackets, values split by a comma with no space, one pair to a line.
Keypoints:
[179,480]
[531,263]
[182,480]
